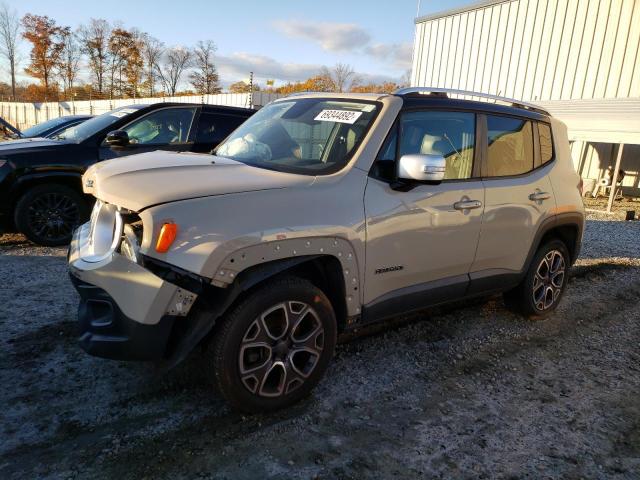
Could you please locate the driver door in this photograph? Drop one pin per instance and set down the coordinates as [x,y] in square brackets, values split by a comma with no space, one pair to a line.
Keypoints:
[164,129]
[421,241]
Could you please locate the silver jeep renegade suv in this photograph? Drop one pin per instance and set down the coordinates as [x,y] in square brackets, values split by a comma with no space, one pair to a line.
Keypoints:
[320,214]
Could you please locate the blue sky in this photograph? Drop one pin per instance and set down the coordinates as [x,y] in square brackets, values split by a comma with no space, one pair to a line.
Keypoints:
[282,40]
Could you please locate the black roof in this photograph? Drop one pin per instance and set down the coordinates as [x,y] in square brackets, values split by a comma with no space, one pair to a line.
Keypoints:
[205,106]
[434,101]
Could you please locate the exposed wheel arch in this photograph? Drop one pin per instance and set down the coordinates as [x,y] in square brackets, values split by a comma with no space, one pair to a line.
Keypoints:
[323,271]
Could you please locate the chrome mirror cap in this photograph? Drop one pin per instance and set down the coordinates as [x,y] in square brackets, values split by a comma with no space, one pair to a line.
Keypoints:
[422,167]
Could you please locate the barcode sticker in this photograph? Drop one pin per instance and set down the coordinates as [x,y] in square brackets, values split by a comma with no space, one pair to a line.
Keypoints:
[339,116]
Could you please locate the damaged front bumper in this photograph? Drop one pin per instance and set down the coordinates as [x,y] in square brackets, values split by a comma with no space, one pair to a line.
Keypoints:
[126,312]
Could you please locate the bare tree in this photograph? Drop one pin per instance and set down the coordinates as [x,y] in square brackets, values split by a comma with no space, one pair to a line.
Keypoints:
[176,60]
[405,80]
[205,78]
[342,76]
[69,64]
[95,44]
[152,50]
[9,35]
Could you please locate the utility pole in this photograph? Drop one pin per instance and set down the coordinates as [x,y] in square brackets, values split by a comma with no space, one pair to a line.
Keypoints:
[250,89]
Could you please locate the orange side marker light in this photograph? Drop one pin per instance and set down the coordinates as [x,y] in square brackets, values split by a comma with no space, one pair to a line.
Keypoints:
[168,234]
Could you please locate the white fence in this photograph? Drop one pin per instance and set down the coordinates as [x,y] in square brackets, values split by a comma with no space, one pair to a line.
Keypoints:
[24,115]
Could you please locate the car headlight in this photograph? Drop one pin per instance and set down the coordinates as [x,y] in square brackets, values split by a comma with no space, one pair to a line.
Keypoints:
[105,231]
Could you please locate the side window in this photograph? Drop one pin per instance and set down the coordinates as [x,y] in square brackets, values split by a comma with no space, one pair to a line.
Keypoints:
[546,143]
[450,134]
[213,128]
[162,127]
[510,146]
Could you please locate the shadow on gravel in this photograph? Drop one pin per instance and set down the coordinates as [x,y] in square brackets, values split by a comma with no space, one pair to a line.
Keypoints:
[37,343]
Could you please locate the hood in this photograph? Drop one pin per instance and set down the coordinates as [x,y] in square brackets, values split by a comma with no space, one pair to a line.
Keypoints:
[17,146]
[140,181]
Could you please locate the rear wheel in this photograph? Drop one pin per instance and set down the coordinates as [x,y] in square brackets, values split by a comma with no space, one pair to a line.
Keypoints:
[274,346]
[47,214]
[541,290]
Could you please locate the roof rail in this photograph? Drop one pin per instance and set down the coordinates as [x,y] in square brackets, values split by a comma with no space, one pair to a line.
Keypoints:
[295,94]
[446,92]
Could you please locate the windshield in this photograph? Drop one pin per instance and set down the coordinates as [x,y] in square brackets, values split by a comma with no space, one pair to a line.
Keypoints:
[310,136]
[81,132]
[39,129]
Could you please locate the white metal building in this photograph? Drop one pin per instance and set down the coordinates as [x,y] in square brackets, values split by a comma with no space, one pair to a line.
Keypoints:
[580,59]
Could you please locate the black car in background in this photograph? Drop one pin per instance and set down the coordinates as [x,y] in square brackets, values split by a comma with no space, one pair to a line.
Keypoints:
[51,128]
[40,179]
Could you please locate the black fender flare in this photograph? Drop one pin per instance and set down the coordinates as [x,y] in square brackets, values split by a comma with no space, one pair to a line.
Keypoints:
[215,301]
[572,219]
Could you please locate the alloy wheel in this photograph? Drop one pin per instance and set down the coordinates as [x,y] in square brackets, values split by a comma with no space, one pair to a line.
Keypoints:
[281,349]
[548,280]
[53,216]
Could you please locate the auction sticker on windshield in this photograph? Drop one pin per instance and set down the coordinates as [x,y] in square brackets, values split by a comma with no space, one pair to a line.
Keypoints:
[339,116]
[122,113]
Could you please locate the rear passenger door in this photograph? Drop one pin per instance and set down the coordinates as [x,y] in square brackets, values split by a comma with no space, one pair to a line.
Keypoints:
[213,128]
[518,195]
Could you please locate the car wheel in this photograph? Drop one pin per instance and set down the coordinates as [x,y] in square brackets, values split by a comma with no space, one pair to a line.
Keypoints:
[274,347]
[544,283]
[47,214]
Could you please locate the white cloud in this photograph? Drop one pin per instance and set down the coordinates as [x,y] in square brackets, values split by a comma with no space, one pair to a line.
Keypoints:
[332,37]
[238,66]
[348,37]
[398,54]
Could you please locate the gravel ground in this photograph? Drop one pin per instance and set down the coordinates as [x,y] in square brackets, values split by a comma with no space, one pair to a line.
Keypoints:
[458,393]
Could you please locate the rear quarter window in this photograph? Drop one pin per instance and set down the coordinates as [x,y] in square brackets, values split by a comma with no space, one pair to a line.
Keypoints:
[546,143]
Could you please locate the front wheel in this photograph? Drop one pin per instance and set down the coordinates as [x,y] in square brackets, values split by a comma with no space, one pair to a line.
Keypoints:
[544,283]
[47,214]
[274,346]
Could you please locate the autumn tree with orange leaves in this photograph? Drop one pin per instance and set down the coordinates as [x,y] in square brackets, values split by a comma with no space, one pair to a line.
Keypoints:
[47,45]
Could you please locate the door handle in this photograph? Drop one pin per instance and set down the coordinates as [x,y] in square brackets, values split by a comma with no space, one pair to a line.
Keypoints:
[539,196]
[467,204]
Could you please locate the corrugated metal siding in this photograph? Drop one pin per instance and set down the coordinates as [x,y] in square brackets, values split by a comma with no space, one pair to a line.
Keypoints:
[534,49]
[566,55]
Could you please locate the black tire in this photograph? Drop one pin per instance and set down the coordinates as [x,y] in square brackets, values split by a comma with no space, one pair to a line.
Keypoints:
[548,290]
[251,389]
[47,214]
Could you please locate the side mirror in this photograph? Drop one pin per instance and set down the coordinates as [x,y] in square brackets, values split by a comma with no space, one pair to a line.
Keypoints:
[422,168]
[118,138]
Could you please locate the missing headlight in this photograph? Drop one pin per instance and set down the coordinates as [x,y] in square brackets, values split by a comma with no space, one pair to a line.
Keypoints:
[129,246]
